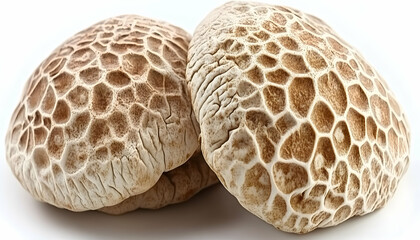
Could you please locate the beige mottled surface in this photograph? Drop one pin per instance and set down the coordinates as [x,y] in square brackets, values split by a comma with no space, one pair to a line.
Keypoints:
[104,115]
[175,186]
[295,123]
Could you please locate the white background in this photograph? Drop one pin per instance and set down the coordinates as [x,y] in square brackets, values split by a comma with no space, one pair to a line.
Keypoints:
[386,32]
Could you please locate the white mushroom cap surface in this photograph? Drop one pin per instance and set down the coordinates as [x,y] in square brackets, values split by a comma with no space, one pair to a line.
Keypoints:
[105,115]
[294,121]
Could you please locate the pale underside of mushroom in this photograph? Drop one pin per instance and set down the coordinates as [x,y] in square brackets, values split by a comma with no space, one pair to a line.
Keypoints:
[105,115]
[294,121]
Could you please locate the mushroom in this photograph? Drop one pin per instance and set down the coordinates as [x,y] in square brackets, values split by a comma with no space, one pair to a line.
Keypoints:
[104,116]
[294,122]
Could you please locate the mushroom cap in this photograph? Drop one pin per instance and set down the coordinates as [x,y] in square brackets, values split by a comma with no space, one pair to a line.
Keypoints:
[294,121]
[175,186]
[104,115]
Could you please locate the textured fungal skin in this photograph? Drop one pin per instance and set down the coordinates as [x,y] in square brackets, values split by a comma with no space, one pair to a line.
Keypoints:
[175,186]
[294,122]
[105,115]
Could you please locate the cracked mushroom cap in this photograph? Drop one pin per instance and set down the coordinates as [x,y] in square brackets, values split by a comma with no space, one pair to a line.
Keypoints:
[104,116]
[294,122]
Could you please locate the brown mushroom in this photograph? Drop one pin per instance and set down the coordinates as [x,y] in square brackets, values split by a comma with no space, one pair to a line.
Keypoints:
[104,116]
[294,122]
